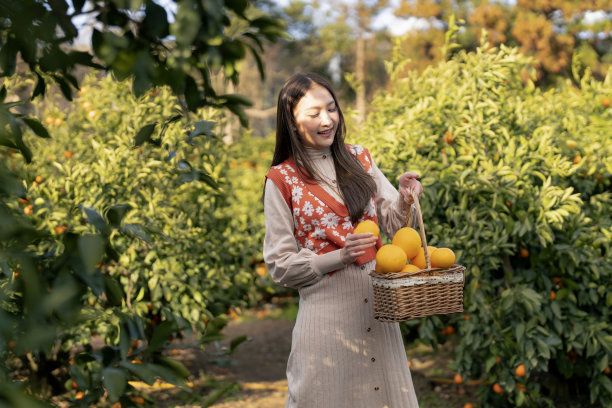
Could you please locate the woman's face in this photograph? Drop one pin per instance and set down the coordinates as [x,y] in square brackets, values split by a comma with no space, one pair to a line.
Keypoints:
[316,117]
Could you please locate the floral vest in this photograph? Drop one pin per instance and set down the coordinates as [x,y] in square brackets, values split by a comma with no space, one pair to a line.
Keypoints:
[321,222]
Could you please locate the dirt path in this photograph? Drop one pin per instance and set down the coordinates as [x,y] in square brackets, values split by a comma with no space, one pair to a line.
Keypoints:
[256,372]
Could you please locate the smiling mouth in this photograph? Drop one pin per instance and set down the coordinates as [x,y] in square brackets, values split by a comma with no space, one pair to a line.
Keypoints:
[326,132]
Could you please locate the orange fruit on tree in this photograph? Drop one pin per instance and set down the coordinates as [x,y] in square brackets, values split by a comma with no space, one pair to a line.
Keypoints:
[605,101]
[449,137]
[410,268]
[409,240]
[457,379]
[442,258]
[468,405]
[365,227]
[58,122]
[49,120]
[92,114]
[577,159]
[497,388]
[419,259]
[86,105]
[391,258]
[38,179]
[521,387]
[520,370]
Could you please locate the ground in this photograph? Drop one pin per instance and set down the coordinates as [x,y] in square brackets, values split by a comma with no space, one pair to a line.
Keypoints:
[255,375]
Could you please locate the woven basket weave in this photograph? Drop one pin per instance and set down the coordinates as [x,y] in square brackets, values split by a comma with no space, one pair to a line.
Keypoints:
[402,296]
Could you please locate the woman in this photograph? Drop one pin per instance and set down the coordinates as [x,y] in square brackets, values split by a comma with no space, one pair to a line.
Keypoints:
[317,190]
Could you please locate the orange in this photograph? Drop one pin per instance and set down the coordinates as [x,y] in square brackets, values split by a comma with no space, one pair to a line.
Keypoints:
[419,259]
[605,101]
[86,105]
[378,269]
[92,114]
[520,370]
[58,122]
[49,120]
[410,268]
[409,240]
[497,388]
[391,258]
[365,227]
[442,258]
[458,379]
[468,405]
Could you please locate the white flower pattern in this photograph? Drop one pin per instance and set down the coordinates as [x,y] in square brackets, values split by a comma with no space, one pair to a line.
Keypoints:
[308,208]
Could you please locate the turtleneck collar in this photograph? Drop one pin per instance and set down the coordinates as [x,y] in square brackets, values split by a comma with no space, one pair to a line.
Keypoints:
[318,154]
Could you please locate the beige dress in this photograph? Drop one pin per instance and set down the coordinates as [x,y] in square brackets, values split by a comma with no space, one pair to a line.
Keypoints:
[340,356]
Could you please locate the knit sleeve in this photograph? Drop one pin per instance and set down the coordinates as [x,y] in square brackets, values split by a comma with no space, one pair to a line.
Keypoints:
[288,265]
[390,205]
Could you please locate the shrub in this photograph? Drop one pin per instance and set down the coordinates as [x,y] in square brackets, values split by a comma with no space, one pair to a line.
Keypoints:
[517,181]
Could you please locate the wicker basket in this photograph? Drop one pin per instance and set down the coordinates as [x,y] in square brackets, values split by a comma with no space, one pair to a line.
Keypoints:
[402,296]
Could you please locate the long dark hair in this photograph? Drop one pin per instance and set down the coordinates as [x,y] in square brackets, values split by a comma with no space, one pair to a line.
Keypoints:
[356,186]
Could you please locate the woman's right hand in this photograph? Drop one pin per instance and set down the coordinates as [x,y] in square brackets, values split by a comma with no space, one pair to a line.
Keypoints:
[355,246]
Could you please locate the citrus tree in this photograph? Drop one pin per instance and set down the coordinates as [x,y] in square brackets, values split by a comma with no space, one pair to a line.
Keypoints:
[517,181]
[140,243]
[116,230]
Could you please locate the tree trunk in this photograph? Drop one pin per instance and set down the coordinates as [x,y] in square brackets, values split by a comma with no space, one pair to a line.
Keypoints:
[360,77]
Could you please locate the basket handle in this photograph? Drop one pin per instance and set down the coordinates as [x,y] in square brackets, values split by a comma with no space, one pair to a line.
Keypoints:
[417,206]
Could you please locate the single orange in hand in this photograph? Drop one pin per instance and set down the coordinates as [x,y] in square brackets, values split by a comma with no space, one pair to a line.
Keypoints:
[367,226]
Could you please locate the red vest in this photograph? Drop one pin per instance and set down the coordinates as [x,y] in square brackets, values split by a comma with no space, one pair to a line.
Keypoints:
[320,222]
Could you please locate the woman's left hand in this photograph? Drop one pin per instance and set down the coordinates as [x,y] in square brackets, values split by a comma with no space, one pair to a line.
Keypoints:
[408,182]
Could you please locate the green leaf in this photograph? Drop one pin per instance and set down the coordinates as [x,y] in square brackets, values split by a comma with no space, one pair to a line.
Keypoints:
[91,250]
[160,335]
[141,371]
[113,291]
[156,20]
[37,127]
[64,87]
[40,88]
[236,342]
[115,381]
[236,99]
[203,127]
[136,230]
[96,220]
[115,214]
[174,365]
[144,134]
